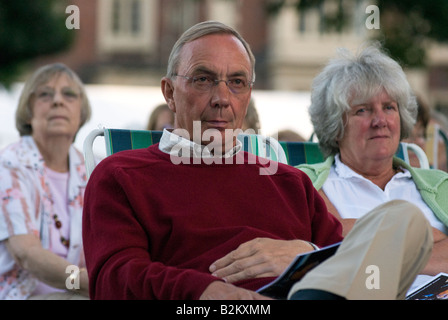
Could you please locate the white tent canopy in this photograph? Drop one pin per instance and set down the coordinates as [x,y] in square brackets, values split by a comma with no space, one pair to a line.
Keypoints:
[130,107]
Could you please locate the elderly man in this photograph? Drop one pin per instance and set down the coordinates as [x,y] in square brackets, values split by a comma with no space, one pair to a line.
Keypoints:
[194,217]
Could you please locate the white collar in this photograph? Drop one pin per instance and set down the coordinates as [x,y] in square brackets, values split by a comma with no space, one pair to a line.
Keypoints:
[343,171]
[174,144]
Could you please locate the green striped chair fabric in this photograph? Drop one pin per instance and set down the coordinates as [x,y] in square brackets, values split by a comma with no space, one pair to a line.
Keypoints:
[309,152]
[262,146]
[292,153]
[128,139]
[296,152]
[302,152]
[435,134]
[124,139]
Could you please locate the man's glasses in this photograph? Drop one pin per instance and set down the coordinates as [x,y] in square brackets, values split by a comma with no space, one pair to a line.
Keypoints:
[236,85]
[47,94]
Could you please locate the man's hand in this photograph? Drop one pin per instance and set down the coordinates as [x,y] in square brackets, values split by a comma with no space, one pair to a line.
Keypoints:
[224,291]
[261,257]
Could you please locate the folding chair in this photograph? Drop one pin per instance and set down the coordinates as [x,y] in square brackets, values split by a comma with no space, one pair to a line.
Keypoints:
[117,140]
[128,139]
[309,152]
[402,153]
[262,146]
[302,152]
[435,135]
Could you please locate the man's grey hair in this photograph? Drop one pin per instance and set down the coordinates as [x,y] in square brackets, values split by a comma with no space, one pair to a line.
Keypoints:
[350,77]
[200,30]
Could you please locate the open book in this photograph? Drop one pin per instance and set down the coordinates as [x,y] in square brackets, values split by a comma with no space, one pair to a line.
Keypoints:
[302,263]
[434,289]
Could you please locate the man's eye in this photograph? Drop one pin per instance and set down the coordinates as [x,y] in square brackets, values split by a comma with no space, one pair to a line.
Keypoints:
[238,82]
[202,79]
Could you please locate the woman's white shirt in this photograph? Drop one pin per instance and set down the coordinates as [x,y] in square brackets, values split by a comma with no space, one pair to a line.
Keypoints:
[354,196]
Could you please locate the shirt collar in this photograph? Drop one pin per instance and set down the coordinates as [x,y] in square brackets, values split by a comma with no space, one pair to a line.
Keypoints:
[175,145]
[343,171]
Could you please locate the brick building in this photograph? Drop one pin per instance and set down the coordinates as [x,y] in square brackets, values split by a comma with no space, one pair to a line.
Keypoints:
[128,42]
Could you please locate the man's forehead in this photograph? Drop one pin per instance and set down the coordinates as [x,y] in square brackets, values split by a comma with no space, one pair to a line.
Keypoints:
[215,50]
[222,39]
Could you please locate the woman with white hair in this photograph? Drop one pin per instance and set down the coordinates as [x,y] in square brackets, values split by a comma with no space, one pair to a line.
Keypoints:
[362,106]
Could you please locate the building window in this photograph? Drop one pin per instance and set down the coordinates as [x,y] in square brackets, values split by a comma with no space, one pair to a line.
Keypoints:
[135,17]
[127,26]
[116,16]
[126,17]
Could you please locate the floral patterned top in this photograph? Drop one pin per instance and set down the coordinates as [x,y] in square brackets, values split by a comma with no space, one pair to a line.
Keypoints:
[27,208]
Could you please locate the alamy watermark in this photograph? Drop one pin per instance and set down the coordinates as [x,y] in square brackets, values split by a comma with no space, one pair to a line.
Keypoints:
[373,280]
[73,280]
[73,20]
[215,144]
[373,20]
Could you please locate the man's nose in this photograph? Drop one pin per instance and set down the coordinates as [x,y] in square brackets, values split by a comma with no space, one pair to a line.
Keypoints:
[220,94]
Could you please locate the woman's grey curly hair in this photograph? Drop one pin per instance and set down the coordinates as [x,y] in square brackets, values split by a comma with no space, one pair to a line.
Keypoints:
[349,77]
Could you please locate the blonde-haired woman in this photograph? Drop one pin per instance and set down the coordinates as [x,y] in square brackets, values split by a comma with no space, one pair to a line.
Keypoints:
[42,182]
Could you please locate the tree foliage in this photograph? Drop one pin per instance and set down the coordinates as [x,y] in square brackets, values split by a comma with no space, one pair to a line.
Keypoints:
[28,29]
[406,25]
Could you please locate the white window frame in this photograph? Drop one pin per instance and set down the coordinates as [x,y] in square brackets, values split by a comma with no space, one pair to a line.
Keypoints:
[124,39]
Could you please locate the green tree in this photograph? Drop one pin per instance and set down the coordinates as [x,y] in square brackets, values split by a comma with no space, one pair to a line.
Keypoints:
[28,29]
[406,25]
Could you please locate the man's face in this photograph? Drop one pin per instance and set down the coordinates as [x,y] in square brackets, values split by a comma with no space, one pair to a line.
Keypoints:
[216,57]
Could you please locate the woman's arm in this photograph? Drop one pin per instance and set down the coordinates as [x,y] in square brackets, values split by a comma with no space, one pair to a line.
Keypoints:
[438,262]
[48,267]
[347,224]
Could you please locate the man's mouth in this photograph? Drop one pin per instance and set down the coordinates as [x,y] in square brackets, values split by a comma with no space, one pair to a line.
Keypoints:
[217,123]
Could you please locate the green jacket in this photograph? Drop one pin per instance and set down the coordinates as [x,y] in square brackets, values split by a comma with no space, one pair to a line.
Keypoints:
[432,184]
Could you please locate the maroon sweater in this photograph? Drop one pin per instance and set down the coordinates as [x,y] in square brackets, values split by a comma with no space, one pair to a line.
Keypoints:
[151,228]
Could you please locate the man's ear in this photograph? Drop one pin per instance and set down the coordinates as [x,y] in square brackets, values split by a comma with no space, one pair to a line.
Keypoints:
[168,93]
